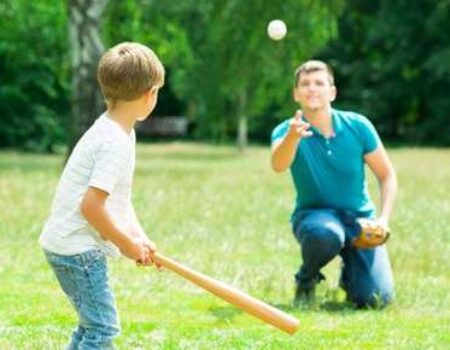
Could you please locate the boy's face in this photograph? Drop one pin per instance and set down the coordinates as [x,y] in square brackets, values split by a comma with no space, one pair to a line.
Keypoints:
[314,90]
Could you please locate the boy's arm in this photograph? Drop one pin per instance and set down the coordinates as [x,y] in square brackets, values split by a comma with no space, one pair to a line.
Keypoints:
[93,209]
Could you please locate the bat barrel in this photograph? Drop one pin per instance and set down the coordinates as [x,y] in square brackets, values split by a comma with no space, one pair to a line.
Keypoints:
[234,296]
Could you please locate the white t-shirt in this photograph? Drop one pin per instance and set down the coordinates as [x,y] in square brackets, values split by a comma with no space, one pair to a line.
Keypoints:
[103,158]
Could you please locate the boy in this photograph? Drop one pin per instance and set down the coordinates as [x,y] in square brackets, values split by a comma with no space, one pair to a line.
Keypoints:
[92,215]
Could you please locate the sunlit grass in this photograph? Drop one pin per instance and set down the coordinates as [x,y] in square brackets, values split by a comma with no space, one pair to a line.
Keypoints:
[226,214]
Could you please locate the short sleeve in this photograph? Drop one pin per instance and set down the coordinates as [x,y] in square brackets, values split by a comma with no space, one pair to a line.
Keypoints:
[280,131]
[370,138]
[110,164]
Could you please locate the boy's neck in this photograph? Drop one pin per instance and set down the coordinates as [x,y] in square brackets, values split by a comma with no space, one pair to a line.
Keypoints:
[125,114]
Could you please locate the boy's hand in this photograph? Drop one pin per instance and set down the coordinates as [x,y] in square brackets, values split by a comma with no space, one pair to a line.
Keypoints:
[150,251]
[135,250]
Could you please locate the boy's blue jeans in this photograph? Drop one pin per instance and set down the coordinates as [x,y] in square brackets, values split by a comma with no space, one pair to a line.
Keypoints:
[84,279]
[323,234]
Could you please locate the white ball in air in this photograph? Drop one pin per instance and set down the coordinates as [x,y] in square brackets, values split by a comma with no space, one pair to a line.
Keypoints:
[276,29]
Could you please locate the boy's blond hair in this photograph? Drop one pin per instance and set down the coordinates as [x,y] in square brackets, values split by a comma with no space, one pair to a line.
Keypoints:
[314,66]
[126,71]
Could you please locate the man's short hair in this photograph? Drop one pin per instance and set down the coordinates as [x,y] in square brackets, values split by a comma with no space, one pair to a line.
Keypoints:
[314,66]
[126,71]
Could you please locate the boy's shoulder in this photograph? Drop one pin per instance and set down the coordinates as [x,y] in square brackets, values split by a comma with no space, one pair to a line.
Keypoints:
[105,130]
[103,137]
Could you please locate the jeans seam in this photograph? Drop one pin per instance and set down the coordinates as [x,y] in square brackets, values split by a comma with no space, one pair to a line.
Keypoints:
[94,299]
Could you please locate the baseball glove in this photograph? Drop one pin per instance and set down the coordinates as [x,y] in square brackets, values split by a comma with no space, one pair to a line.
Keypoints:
[371,234]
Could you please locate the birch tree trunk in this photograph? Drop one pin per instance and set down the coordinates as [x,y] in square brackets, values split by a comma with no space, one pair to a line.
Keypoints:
[242,133]
[86,48]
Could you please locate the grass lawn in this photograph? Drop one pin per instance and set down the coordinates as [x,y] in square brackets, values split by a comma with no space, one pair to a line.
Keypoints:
[226,215]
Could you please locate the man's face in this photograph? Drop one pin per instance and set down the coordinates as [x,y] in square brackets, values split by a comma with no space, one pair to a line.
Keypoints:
[314,91]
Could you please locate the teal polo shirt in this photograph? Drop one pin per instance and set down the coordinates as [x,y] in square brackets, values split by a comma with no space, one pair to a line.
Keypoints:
[329,172]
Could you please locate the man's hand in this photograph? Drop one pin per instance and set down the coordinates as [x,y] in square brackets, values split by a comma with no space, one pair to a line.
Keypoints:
[372,233]
[284,149]
[298,129]
[383,223]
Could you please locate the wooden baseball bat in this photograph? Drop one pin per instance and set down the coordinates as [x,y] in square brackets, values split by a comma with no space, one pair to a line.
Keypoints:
[232,295]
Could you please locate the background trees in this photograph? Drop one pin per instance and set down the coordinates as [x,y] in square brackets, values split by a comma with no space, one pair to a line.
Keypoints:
[391,61]
[34,79]
[221,62]
[86,49]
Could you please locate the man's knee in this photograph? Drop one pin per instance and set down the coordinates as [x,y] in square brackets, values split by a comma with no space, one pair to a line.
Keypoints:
[322,238]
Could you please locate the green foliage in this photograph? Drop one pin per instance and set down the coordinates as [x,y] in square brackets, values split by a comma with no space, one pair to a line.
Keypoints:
[221,53]
[134,20]
[392,60]
[218,51]
[34,74]
[226,215]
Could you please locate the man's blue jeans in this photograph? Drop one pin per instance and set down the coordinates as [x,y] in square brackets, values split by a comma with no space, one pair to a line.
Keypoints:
[84,279]
[323,234]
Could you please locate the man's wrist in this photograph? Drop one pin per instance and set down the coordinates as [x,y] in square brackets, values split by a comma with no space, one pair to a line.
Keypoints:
[383,221]
[293,138]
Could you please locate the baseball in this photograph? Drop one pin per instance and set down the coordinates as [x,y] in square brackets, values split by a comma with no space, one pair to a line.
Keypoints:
[276,29]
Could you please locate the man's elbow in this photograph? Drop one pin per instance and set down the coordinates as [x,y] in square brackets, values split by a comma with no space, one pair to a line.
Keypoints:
[390,179]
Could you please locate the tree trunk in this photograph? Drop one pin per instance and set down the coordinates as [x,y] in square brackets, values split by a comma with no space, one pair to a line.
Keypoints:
[242,137]
[86,49]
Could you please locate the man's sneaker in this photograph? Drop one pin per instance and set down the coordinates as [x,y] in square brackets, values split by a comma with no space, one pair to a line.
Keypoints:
[304,295]
[305,292]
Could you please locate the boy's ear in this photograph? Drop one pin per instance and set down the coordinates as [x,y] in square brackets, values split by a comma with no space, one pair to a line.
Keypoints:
[149,93]
[152,91]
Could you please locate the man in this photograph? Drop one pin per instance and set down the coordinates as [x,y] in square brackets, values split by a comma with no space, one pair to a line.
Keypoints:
[326,150]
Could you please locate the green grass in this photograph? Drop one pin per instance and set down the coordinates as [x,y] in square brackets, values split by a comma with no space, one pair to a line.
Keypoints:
[226,214]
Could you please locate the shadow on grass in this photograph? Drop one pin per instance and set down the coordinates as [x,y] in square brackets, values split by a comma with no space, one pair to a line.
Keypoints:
[337,306]
[332,303]
[225,314]
[318,305]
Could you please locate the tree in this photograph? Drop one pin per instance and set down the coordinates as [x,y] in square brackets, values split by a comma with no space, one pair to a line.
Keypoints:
[86,49]
[394,68]
[222,61]
[34,75]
